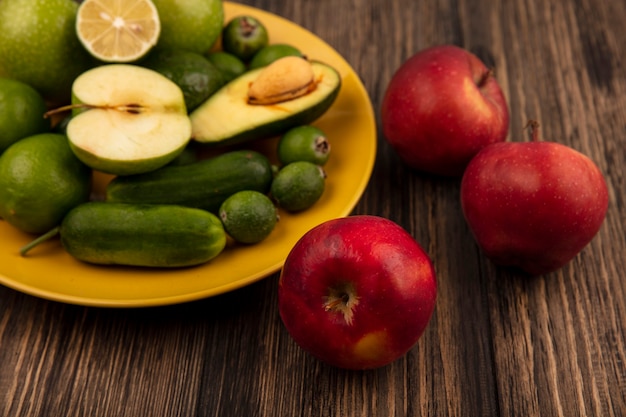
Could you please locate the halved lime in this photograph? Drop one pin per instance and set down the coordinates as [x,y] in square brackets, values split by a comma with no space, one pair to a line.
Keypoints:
[118,31]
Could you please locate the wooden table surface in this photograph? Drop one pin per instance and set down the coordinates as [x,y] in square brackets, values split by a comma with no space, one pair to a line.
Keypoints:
[499,343]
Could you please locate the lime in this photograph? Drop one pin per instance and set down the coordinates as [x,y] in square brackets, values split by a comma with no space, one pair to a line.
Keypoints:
[304,143]
[193,25]
[229,64]
[244,36]
[248,216]
[298,186]
[117,31]
[271,53]
[39,46]
[196,76]
[21,112]
[40,181]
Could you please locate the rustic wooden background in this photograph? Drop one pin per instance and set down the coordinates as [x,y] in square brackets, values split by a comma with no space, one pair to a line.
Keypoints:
[499,344]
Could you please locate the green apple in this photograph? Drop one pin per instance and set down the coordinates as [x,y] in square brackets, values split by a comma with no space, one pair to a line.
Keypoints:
[39,46]
[127,119]
[192,25]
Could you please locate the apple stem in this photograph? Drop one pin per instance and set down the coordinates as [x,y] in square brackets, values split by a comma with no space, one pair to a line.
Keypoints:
[533,127]
[127,108]
[63,109]
[333,303]
[485,77]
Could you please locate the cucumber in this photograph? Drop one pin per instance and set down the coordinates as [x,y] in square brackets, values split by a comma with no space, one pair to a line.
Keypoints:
[204,184]
[166,236]
[227,118]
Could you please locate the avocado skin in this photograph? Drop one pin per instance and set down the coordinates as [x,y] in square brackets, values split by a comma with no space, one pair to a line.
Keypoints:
[248,129]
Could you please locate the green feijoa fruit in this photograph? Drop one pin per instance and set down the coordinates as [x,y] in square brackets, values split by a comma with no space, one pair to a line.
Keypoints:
[271,53]
[196,76]
[230,66]
[244,36]
[303,143]
[248,216]
[298,185]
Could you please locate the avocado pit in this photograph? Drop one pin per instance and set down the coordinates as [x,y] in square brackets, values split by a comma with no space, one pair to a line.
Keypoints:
[285,79]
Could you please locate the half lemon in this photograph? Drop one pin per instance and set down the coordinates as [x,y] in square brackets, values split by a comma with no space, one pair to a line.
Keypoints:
[118,30]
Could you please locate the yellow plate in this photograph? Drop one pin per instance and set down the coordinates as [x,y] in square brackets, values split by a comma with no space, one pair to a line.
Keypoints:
[49,272]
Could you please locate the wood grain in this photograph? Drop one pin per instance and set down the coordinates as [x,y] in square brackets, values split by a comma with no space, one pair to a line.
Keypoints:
[499,343]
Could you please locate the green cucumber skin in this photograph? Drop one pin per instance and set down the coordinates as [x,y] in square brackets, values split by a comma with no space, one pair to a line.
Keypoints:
[204,184]
[165,236]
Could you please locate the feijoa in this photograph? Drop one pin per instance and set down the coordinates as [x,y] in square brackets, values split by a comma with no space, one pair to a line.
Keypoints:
[244,36]
[196,76]
[271,53]
[248,216]
[304,143]
[229,64]
[298,185]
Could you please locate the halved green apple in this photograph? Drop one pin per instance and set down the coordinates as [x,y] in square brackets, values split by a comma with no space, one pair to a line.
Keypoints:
[127,119]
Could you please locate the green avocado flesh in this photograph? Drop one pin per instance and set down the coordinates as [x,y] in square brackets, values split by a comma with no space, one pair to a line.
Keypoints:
[227,118]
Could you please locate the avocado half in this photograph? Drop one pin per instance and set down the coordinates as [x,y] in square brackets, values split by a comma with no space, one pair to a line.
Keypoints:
[227,117]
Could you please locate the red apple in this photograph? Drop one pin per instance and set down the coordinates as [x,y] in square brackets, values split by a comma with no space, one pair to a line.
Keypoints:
[441,107]
[357,292]
[533,205]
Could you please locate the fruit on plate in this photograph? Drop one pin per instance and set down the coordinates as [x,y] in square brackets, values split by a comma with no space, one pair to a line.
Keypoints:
[127,119]
[230,66]
[40,181]
[118,31]
[244,36]
[248,216]
[533,205]
[271,53]
[245,108]
[357,292]
[165,236]
[298,185]
[204,184]
[441,107]
[191,25]
[39,46]
[22,111]
[191,71]
[303,143]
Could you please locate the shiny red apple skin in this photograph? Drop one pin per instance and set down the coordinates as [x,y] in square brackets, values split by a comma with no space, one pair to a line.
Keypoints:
[441,107]
[533,205]
[379,265]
